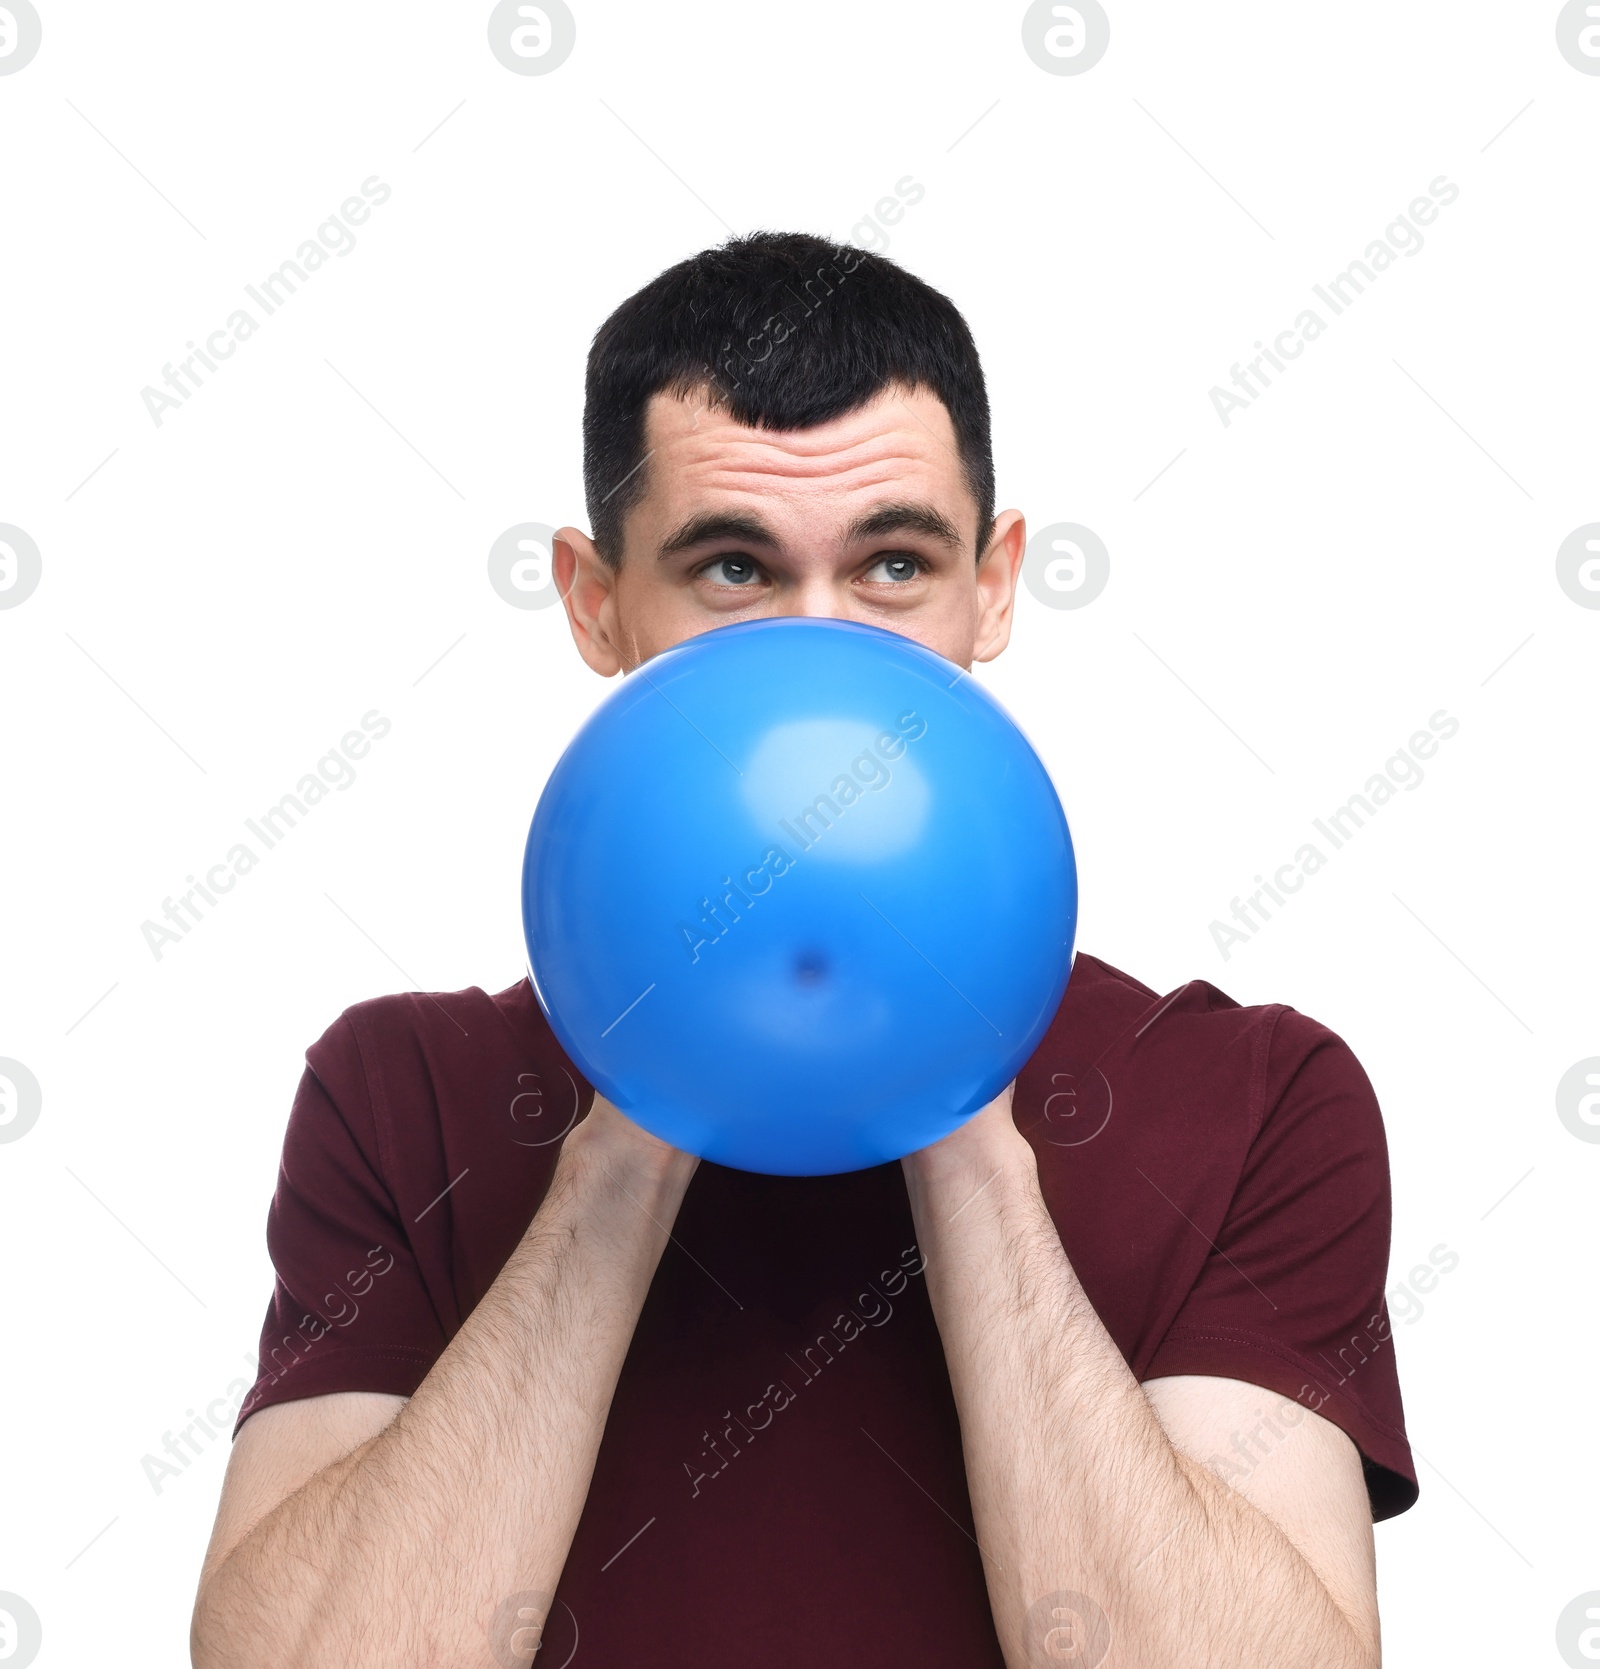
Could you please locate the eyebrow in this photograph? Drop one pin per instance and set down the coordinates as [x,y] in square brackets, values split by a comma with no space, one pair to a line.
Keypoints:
[717,524]
[874,524]
[905,518]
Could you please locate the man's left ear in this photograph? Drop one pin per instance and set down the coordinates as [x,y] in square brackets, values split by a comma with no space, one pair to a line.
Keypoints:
[999,568]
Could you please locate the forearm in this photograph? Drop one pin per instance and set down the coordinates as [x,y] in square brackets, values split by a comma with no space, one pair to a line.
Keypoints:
[401,1551]
[1074,1485]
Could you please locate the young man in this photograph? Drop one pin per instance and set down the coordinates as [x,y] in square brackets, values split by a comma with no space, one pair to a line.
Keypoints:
[1106,1375]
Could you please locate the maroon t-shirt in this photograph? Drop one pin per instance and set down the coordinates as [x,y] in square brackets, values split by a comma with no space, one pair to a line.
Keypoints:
[781,1477]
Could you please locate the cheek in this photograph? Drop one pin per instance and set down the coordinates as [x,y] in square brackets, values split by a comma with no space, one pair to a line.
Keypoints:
[652,613]
[946,624]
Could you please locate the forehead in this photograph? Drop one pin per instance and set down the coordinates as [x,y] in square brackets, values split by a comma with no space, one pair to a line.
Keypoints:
[902,439]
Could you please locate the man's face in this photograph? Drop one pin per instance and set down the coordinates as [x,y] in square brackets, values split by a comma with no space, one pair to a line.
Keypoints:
[867,518]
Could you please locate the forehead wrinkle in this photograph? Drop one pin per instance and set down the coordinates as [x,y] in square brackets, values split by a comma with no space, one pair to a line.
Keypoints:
[785,484]
[788,456]
[741,457]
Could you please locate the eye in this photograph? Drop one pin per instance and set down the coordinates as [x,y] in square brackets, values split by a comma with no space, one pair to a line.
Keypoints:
[896,570]
[731,570]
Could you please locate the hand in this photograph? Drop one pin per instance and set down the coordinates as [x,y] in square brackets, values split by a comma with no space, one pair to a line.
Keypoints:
[608,1131]
[987,1141]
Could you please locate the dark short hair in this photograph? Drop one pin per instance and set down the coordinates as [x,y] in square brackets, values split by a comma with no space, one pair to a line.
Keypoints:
[784,331]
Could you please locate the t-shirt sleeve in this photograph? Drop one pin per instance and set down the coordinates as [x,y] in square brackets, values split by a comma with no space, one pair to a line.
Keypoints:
[349,1310]
[1292,1296]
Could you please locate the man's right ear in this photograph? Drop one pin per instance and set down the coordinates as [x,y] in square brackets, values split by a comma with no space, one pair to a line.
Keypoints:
[588,587]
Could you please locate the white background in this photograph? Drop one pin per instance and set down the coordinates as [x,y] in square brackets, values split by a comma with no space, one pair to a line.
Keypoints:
[1287,603]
